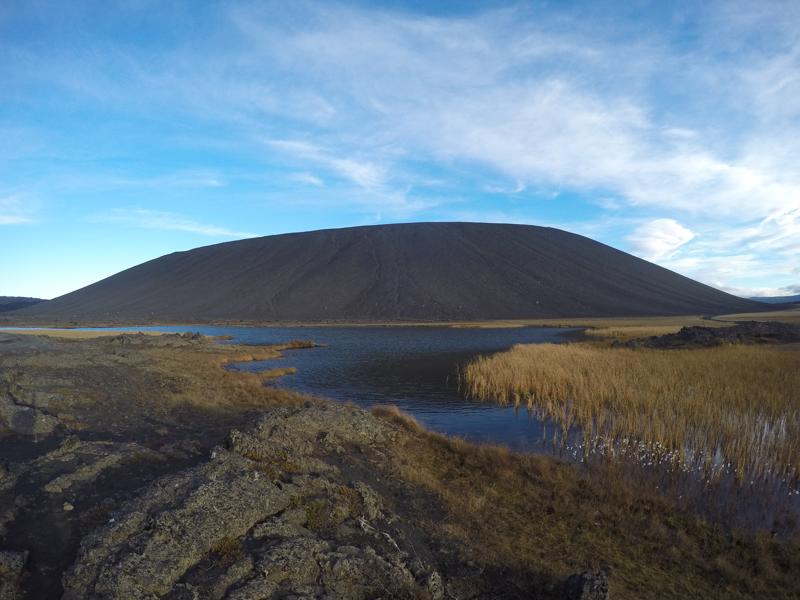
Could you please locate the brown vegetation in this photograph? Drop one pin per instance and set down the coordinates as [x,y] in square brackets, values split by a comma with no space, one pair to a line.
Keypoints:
[510,511]
[741,401]
[226,552]
[77,334]
[510,517]
[788,315]
[131,381]
[207,384]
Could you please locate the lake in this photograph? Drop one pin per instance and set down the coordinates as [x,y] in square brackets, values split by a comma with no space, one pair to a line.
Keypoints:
[415,368]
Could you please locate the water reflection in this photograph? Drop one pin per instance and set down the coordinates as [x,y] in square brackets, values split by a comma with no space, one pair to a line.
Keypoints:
[413,368]
[416,369]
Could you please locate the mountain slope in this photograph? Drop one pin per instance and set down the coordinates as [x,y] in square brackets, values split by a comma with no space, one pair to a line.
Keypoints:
[777,299]
[424,271]
[9,303]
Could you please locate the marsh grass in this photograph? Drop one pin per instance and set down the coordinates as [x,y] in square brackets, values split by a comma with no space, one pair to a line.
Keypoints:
[787,315]
[518,512]
[205,383]
[734,407]
[629,332]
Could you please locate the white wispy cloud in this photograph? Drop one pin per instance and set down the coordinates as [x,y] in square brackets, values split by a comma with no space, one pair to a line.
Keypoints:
[154,219]
[14,210]
[517,188]
[12,220]
[364,173]
[109,180]
[742,258]
[473,89]
[307,179]
[702,134]
[755,292]
[544,99]
[659,239]
[375,186]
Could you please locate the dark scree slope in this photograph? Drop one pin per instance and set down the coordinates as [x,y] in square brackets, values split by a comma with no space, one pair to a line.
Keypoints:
[417,271]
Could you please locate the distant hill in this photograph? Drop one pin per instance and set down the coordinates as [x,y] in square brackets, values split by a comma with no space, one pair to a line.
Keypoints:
[777,299]
[417,271]
[8,303]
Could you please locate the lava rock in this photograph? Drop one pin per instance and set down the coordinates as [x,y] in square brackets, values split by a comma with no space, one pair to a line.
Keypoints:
[12,570]
[25,420]
[589,585]
[750,332]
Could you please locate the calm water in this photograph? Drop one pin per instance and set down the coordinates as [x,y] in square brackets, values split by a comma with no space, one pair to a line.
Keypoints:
[414,368]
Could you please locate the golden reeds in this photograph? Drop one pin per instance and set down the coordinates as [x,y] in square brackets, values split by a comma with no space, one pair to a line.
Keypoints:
[736,406]
[526,513]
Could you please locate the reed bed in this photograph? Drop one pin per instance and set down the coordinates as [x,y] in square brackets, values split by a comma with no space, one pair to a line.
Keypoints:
[629,332]
[734,408]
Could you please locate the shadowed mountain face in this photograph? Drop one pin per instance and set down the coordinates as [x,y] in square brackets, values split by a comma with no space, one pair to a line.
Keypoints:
[778,299]
[419,271]
[9,303]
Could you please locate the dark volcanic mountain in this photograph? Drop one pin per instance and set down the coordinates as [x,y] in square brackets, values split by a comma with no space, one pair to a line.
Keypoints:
[419,271]
[778,299]
[9,303]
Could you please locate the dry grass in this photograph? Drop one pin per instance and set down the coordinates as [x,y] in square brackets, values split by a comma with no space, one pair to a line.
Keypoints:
[124,385]
[75,334]
[742,401]
[627,329]
[531,514]
[398,417]
[226,552]
[205,383]
[791,315]
[656,324]
[629,332]
[590,322]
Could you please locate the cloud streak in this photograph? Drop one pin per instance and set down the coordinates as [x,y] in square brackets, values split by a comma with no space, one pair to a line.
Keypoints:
[13,211]
[485,90]
[367,175]
[392,113]
[660,239]
[154,219]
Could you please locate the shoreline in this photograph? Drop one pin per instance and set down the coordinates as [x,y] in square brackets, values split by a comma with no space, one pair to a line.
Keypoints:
[75,333]
[587,328]
[8,322]
[154,444]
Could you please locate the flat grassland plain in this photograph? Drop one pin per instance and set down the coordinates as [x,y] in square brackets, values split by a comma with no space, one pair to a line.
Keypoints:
[148,447]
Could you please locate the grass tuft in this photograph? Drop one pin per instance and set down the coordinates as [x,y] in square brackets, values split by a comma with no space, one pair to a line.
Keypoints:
[398,417]
[535,515]
[736,405]
[226,552]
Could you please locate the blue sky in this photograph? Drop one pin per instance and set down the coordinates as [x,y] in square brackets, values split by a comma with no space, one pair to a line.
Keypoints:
[129,130]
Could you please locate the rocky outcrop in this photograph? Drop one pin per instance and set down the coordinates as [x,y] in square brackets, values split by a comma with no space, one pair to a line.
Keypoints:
[168,340]
[267,516]
[91,460]
[12,569]
[751,332]
[25,420]
[66,478]
[279,496]
[589,585]
[21,412]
